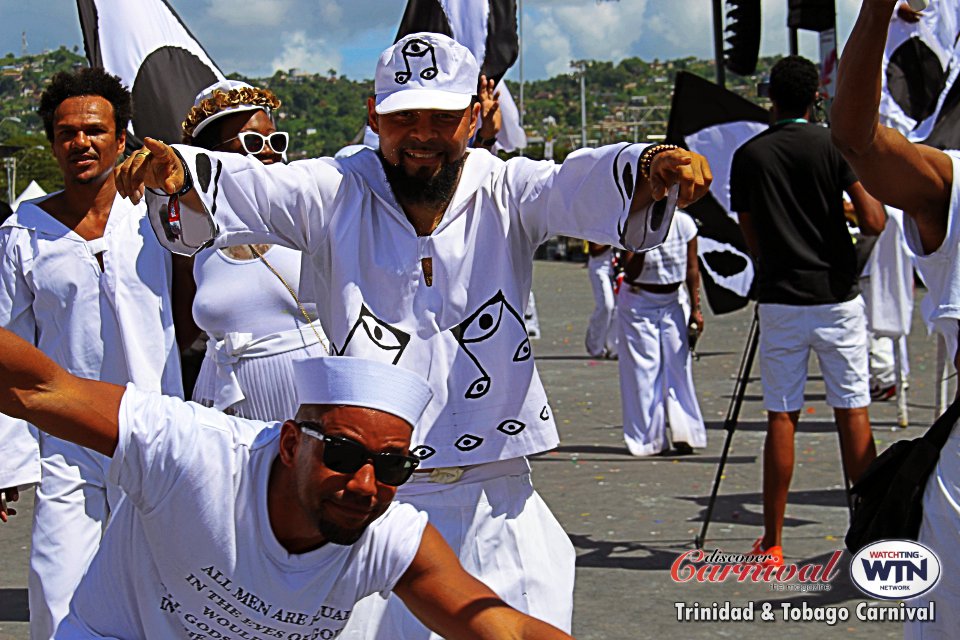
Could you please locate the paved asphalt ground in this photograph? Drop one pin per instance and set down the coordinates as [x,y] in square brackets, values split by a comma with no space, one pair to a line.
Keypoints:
[630,518]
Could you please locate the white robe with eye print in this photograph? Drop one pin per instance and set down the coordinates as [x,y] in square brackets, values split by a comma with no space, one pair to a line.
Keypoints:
[461,327]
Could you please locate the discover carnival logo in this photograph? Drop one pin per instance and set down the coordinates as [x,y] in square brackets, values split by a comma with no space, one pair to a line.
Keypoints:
[895,569]
[717,566]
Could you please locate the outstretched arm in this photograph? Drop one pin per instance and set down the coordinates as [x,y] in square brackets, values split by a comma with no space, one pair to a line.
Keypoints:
[157,167]
[911,177]
[456,605]
[33,387]
[871,216]
[689,170]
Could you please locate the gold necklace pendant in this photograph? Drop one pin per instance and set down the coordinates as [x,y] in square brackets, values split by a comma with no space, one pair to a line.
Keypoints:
[427,265]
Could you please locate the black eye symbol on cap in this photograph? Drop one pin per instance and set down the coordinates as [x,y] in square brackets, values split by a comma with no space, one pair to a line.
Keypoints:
[468,442]
[423,451]
[417,49]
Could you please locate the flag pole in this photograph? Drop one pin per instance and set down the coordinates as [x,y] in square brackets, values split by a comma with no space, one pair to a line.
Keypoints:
[520,42]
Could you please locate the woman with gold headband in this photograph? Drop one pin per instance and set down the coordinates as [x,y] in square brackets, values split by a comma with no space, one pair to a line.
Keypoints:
[247,296]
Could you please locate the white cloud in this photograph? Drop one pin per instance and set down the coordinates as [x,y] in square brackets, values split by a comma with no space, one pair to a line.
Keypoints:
[245,35]
[331,13]
[266,13]
[305,54]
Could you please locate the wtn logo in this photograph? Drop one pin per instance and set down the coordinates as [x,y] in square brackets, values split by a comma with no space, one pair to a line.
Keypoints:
[903,570]
[895,569]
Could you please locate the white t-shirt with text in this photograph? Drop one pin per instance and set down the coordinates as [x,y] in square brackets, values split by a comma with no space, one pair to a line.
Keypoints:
[190,552]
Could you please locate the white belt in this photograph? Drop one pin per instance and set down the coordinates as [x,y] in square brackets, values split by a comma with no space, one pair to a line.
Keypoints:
[433,480]
[235,345]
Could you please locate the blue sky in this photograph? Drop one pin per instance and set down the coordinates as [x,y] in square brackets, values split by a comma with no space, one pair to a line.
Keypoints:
[255,37]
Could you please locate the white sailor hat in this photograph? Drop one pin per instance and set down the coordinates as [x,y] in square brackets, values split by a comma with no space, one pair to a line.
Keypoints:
[358,382]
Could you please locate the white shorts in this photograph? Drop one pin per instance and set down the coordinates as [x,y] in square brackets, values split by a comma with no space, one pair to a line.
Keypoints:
[837,333]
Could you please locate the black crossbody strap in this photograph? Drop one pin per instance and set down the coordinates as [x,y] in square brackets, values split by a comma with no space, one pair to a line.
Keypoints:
[938,433]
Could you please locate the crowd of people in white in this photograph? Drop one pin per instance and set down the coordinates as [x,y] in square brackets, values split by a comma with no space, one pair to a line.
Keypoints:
[355,462]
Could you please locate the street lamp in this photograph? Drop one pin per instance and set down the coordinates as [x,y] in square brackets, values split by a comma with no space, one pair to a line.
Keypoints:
[10,164]
[581,68]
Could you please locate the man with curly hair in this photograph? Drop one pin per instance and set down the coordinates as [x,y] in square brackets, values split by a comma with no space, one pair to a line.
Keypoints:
[83,278]
[787,185]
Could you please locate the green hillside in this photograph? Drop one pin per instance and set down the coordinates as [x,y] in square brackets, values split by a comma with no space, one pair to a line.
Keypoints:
[323,112]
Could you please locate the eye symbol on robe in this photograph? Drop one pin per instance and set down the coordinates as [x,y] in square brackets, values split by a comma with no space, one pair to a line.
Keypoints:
[423,451]
[511,427]
[468,442]
[486,322]
[373,338]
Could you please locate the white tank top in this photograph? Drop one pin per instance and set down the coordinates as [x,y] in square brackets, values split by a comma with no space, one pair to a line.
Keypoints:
[244,295]
[667,264]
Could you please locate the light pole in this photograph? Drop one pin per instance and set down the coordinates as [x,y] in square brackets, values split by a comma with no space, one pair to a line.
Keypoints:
[10,164]
[520,47]
[581,68]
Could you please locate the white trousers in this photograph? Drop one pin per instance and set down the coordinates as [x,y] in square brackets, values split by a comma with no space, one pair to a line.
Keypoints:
[503,533]
[601,332]
[71,509]
[883,364]
[656,383]
[940,530]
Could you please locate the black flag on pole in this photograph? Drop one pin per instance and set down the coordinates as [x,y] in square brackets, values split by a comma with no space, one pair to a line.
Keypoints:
[714,122]
[153,53]
[920,95]
[487,27]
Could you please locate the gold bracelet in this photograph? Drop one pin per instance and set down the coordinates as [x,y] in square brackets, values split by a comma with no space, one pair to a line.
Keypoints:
[646,158]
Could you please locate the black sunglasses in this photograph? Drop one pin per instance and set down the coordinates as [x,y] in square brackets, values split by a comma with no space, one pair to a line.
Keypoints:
[344,455]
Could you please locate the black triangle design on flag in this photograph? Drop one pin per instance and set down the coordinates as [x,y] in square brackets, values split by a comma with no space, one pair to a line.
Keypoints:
[423,15]
[946,130]
[915,78]
[153,53]
[501,43]
[714,122]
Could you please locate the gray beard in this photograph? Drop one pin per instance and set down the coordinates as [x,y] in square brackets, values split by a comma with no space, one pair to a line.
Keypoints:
[435,191]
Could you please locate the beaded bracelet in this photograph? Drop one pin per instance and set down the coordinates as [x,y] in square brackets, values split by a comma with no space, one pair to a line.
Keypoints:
[646,158]
[187,180]
[173,199]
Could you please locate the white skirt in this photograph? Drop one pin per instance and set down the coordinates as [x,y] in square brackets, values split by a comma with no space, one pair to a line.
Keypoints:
[267,384]
[503,533]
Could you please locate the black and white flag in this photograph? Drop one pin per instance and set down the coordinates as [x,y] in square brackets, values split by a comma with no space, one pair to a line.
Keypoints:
[919,70]
[149,48]
[714,122]
[489,29]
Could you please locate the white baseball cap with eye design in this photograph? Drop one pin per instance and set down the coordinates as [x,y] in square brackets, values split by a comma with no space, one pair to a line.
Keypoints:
[425,71]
